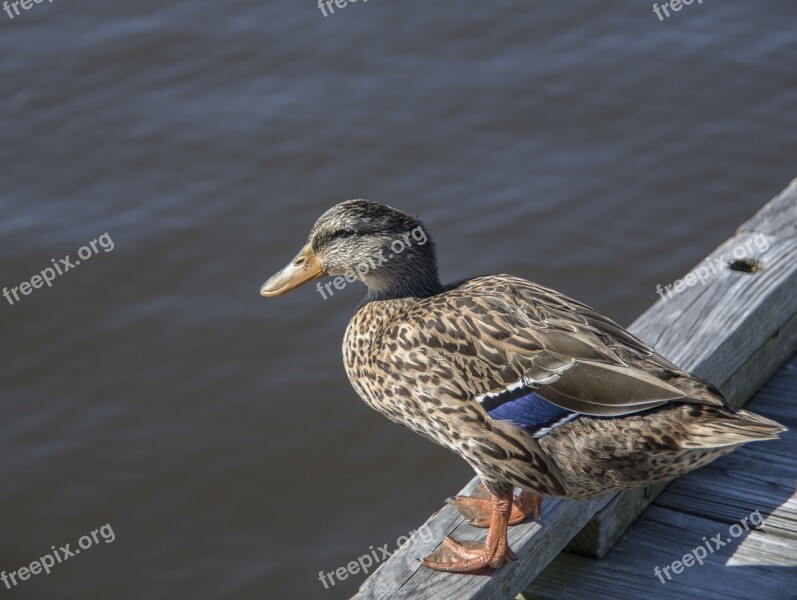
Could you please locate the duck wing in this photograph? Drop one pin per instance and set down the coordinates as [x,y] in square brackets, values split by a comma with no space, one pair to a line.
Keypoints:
[512,341]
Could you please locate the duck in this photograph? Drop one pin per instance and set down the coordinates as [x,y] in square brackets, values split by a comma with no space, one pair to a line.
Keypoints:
[536,391]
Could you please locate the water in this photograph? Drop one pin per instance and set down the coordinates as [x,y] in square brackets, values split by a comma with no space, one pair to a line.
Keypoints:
[587,146]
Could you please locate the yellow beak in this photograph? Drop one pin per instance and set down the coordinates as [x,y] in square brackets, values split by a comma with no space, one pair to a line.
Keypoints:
[305,267]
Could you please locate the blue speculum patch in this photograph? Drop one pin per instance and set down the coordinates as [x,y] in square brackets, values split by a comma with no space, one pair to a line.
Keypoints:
[526,409]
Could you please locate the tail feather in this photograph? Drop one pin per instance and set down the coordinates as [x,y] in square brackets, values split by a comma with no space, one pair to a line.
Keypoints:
[716,427]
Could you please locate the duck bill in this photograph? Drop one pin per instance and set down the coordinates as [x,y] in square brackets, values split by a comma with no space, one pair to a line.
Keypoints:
[305,267]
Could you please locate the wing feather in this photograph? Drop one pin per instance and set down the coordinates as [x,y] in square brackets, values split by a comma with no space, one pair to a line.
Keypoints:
[500,330]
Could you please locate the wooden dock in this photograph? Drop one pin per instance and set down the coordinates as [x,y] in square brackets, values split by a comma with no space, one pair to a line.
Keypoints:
[735,328]
[759,563]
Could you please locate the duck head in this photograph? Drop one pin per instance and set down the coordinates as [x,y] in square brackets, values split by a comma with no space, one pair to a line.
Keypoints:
[388,250]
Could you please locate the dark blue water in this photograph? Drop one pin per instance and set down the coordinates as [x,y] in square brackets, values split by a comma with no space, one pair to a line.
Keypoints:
[588,146]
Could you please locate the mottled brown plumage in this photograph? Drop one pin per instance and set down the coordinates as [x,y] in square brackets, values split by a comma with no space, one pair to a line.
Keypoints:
[533,389]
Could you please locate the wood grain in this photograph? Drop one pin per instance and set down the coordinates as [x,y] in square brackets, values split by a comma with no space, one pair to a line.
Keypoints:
[736,331]
[760,564]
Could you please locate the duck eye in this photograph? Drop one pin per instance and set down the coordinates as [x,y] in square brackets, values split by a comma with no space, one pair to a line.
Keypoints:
[343,233]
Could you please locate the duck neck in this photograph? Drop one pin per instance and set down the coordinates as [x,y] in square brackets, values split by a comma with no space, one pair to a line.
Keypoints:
[411,281]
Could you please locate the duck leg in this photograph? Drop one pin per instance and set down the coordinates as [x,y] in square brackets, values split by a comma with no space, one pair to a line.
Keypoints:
[478,507]
[464,557]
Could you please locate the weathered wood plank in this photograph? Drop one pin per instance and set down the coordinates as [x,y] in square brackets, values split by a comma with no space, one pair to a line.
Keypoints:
[716,330]
[778,217]
[703,503]
[403,577]
[742,328]
[759,476]
[660,537]
[600,534]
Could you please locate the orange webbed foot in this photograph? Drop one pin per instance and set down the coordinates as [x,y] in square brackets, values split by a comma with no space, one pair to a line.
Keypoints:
[465,557]
[478,507]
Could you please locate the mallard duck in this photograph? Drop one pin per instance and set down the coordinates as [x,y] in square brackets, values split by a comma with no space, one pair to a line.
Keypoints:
[536,391]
